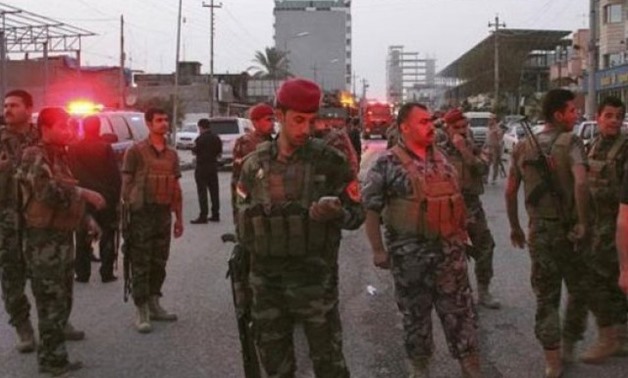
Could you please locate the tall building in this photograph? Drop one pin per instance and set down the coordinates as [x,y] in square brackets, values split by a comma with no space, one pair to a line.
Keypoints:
[317,38]
[407,75]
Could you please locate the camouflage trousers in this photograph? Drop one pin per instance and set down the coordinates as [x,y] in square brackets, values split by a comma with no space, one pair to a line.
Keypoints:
[482,240]
[303,292]
[608,303]
[149,248]
[13,272]
[431,275]
[554,260]
[50,258]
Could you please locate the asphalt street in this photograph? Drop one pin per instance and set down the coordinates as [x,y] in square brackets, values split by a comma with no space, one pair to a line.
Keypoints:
[204,342]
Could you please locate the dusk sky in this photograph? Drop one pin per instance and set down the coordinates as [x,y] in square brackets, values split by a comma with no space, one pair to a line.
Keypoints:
[443,29]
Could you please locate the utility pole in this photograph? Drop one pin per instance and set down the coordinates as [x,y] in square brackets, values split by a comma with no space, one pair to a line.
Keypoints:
[175,97]
[593,58]
[211,7]
[121,85]
[497,25]
[365,85]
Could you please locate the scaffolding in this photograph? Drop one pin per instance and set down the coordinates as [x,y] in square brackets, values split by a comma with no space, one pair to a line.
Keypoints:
[26,32]
[406,72]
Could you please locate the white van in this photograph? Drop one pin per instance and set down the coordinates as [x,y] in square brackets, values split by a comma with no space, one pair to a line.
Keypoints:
[478,123]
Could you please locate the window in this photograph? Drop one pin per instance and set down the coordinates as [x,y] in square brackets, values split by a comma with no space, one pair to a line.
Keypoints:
[120,128]
[613,13]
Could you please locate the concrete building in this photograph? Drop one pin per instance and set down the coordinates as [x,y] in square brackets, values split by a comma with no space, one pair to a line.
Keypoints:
[407,75]
[317,38]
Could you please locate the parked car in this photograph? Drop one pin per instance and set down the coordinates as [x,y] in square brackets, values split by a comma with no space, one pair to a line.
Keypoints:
[121,128]
[229,129]
[186,136]
[478,124]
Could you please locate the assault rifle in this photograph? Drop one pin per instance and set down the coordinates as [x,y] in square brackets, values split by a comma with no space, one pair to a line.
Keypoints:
[238,273]
[545,166]
[125,220]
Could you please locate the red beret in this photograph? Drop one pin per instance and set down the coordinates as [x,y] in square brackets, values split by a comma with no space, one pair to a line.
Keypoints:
[300,95]
[260,110]
[453,116]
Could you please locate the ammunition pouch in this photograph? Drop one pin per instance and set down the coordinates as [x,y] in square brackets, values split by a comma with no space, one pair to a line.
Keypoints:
[38,214]
[286,231]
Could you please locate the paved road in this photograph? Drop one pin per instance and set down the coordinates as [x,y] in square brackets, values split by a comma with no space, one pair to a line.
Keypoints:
[204,343]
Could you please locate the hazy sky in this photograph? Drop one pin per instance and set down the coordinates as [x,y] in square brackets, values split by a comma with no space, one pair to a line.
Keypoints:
[443,29]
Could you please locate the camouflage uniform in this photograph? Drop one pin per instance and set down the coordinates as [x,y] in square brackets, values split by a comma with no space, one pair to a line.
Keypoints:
[12,266]
[607,159]
[553,256]
[52,211]
[471,178]
[244,145]
[294,267]
[151,198]
[428,272]
[339,139]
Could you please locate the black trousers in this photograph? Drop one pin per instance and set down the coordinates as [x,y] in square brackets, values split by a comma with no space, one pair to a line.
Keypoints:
[106,219]
[207,179]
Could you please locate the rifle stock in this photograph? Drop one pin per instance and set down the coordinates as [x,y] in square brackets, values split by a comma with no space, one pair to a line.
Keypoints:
[238,274]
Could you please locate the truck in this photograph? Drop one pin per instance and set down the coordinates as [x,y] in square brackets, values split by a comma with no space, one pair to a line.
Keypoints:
[376,118]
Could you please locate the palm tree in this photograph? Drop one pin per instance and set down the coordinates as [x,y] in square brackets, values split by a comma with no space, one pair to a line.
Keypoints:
[270,64]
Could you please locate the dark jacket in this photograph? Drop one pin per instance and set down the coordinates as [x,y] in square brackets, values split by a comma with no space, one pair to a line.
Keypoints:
[207,148]
[93,163]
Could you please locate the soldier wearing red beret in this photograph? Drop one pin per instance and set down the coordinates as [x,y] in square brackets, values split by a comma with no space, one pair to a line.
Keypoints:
[295,195]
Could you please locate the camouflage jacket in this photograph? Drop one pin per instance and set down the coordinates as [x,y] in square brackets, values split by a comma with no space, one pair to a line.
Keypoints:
[244,145]
[387,180]
[471,172]
[12,146]
[331,176]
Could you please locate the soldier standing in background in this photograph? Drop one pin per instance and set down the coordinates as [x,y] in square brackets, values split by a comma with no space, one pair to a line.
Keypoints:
[607,158]
[353,130]
[207,148]
[409,186]
[263,118]
[17,134]
[471,170]
[294,196]
[53,209]
[495,145]
[338,139]
[93,163]
[556,198]
[151,190]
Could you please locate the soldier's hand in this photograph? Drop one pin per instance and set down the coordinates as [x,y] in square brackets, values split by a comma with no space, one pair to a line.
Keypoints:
[326,211]
[93,198]
[178,228]
[577,233]
[518,237]
[93,229]
[623,280]
[460,143]
[381,259]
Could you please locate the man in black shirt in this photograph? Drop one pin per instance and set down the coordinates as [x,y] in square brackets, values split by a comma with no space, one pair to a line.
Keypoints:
[621,238]
[94,165]
[207,148]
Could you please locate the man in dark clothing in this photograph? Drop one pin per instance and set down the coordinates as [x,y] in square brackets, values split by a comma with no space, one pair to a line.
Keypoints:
[94,165]
[207,147]
[353,129]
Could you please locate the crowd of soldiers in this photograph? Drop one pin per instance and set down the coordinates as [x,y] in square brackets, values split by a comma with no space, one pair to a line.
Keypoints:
[292,196]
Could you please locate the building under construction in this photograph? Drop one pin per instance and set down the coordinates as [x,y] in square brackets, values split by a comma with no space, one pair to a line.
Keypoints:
[409,77]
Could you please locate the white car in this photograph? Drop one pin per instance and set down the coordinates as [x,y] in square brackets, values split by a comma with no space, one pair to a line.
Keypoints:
[229,129]
[186,136]
[514,134]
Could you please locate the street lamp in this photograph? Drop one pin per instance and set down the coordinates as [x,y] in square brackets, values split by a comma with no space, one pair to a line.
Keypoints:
[285,45]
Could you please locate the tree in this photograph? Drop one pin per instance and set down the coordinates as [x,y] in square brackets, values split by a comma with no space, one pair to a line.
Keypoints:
[270,64]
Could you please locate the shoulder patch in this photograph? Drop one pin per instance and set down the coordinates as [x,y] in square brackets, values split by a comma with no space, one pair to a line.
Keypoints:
[353,191]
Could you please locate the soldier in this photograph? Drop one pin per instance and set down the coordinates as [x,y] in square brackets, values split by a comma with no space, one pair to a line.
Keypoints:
[338,139]
[53,208]
[151,190]
[294,196]
[471,170]
[621,236]
[263,118]
[93,163]
[607,158]
[556,194]
[18,134]
[495,146]
[426,248]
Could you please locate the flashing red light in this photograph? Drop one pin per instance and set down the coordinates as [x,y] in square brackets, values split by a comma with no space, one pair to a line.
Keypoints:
[83,107]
